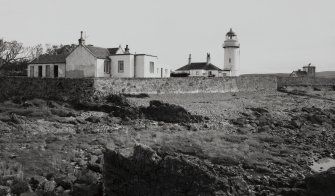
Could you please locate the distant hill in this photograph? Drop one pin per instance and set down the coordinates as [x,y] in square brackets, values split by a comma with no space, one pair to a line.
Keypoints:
[326,74]
[323,74]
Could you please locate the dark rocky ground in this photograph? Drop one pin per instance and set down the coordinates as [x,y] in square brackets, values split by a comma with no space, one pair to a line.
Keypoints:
[255,143]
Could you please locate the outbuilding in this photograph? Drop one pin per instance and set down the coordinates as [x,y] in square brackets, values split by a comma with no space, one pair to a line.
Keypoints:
[206,69]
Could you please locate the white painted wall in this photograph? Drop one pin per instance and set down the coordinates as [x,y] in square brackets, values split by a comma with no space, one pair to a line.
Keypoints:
[143,67]
[128,62]
[100,71]
[61,70]
[81,63]
[201,73]
[232,56]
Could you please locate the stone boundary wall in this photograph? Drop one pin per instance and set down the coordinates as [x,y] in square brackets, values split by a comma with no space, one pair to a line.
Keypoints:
[305,81]
[88,88]
[105,86]
[46,88]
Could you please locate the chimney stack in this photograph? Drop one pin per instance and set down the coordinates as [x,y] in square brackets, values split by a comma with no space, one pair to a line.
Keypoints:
[126,50]
[81,40]
[208,59]
[189,59]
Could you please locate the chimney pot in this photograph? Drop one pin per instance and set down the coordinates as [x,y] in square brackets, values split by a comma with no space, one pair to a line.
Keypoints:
[81,40]
[189,59]
[127,49]
[208,58]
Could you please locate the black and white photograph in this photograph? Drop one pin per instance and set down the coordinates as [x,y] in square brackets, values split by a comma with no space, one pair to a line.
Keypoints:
[167,98]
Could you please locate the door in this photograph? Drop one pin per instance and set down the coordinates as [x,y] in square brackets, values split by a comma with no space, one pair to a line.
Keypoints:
[161,72]
[40,71]
[32,71]
[56,71]
[47,71]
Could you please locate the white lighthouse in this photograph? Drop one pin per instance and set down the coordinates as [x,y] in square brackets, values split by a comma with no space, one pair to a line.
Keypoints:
[231,54]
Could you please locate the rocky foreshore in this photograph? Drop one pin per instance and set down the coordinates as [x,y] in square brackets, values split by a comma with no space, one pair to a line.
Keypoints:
[227,144]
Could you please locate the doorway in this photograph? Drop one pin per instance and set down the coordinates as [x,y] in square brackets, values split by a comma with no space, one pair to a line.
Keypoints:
[47,71]
[56,71]
[32,71]
[40,71]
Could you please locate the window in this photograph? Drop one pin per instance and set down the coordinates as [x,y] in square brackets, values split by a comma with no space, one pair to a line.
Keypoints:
[107,67]
[32,71]
[120,66]
[166,72]
[229,60]
[197,73]
[47,71]
[152,67]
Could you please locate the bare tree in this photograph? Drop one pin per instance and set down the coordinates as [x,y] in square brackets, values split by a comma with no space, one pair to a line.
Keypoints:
[59,49]
[11,51]
[35,51]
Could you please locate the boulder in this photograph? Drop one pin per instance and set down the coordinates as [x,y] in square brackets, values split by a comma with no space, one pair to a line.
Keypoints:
[321,184]
[87,190]
[170,113]
[94,119]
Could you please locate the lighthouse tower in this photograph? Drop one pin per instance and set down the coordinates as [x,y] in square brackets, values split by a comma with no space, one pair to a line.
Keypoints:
[231,54]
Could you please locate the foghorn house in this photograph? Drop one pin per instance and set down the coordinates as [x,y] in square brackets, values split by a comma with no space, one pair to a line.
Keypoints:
[92,61]
[206,69]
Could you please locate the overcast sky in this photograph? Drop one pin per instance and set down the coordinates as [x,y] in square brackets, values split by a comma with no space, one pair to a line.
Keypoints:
[275,35]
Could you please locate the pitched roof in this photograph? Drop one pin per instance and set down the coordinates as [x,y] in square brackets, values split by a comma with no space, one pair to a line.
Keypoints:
[99,52]
[298,73]
[46,58]
[112,50]
[202,65]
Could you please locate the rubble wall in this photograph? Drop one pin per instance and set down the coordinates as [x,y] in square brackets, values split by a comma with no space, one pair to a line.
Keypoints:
[105,86]
[46,88]
[88,88]
[305,81]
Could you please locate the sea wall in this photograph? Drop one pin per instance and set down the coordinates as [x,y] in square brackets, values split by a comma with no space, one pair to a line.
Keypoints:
[88,88]
[304,81]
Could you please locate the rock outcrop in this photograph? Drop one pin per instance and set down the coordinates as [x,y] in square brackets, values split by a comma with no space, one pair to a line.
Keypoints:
[144,172]
[170,113]
[322,184]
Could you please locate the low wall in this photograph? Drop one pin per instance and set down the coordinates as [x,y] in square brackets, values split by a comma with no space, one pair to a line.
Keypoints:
[105,86]
[305,81]
[87,88]
[47,88]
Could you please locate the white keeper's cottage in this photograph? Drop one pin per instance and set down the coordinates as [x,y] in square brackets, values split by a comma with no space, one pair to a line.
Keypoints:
[92,61]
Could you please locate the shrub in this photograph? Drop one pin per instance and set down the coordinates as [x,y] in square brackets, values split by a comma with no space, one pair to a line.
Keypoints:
[19,187]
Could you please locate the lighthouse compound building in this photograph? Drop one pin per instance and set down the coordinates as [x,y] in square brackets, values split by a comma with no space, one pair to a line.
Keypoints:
[230,66]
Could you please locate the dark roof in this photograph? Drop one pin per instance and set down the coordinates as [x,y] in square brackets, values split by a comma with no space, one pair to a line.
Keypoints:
[299,73]
[112,50]
[99,52]
[46,58]
[202,65]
